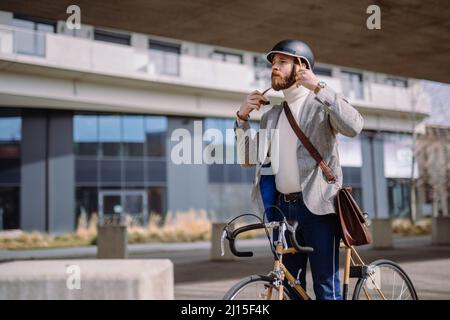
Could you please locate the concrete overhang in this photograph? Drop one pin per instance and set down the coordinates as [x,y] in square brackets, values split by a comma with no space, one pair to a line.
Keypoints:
[413,40]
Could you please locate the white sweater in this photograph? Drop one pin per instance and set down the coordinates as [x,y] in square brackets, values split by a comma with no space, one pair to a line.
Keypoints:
[285,165]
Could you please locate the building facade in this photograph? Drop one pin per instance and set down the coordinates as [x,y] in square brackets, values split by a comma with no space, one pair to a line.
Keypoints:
[87,122]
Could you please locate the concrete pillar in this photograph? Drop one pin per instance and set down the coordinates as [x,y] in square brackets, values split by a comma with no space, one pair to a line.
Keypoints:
[381,233]
[33,185]
[112,242]
[61,172]
[47,193]
[374,189]
[440,230]
[217,229]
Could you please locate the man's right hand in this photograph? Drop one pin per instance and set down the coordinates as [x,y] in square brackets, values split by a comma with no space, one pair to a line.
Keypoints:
[253,101]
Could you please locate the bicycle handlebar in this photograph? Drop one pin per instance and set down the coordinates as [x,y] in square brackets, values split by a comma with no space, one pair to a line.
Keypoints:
[293,239]
[232,237]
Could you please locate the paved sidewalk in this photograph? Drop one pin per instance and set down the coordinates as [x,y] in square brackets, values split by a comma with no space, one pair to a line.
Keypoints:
[196,277]
[165,249]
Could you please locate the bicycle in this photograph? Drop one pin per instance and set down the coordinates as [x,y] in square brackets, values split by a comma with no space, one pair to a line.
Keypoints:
[376,281]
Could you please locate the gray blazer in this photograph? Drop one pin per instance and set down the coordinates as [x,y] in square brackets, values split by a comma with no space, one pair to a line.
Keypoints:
[322,117]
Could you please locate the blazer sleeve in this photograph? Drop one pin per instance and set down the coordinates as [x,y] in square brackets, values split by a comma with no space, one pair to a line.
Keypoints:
[248,142]
[343,117]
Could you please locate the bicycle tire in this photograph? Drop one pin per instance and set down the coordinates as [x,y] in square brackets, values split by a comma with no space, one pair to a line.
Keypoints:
[233,292]
[386,264]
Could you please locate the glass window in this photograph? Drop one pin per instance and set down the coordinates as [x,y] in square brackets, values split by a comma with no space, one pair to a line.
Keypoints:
[396,82]
[10,129]
[349,151]
[110,133]
[227,146]
[164,57]
[322,71]
[263,69]
[399,197]
[131,155]
[157,202]
[227,57]
[85,135]
[352,84]
[398,155]
[229,170]
[113,37]
[133,135]
[9,208]
[86,203]
[10,135]
[155,135]
[29,37]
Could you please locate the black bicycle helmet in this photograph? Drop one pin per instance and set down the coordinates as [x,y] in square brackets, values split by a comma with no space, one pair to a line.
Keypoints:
[294,48]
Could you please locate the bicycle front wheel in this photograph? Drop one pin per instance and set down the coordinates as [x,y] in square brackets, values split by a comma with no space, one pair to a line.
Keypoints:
[255,287]
[385,280]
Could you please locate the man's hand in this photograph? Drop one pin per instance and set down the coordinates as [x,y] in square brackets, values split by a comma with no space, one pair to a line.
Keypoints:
[305,77]
[252,102]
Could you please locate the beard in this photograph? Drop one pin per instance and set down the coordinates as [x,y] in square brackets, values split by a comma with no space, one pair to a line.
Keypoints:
[281,82]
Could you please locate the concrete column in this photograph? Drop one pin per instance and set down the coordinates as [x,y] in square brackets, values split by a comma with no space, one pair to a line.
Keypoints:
[61,172]
[374,189]
[112,242]
[440,230]
[47,194]
[217,229]
[382,233]
[33,185]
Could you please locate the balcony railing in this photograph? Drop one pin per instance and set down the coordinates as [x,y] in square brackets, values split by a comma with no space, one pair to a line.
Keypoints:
[98,57]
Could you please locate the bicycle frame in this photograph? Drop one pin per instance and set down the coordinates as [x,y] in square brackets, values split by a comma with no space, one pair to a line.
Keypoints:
[280,272]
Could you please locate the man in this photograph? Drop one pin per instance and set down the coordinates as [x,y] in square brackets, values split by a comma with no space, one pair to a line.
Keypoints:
[304,193]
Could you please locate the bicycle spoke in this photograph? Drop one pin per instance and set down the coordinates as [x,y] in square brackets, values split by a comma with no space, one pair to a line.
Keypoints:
[402,290]
[384,277]
[393,287]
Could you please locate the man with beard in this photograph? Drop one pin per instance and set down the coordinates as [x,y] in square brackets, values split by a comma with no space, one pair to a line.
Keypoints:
[303,192]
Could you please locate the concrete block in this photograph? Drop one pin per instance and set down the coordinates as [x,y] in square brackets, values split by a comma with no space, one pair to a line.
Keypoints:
[87,279]
[112,242]
[440,233]
[217,229]
[381,233]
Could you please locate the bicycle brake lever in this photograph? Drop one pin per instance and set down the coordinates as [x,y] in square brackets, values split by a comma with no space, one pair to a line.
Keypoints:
[222,239]
[292,228]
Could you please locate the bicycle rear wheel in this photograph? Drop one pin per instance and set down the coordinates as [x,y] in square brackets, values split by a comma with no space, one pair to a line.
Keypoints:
[255,287]
[385,280]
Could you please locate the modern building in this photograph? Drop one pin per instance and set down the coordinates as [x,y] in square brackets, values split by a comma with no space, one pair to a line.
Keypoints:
[87,116]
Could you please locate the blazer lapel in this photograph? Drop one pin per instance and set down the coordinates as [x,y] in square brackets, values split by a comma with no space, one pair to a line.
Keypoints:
[272,121]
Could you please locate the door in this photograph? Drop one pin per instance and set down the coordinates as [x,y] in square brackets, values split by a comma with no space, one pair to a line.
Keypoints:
[125,203]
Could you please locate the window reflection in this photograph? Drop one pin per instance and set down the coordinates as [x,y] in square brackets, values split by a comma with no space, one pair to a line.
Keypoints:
[164,57]
[133,136]
[155,136]
[29,38]
[110,133]
[10,139]
[85,131]
[120,151]
[352,84]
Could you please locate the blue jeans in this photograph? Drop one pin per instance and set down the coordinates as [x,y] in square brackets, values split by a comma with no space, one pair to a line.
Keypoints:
[322,233]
